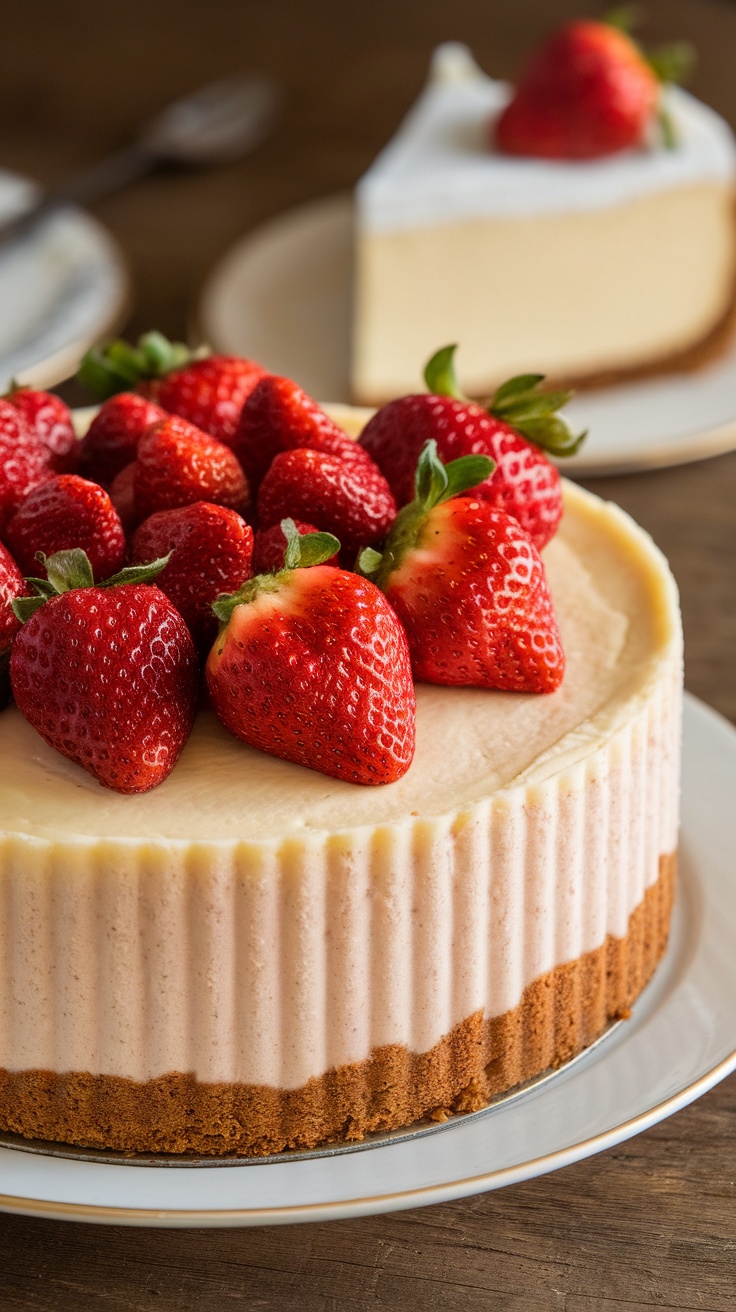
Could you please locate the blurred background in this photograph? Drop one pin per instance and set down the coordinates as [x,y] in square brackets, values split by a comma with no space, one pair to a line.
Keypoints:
[79,78]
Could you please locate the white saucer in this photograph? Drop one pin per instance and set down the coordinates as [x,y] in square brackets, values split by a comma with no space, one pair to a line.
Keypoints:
[62,288]
[282,296]
[680,1040]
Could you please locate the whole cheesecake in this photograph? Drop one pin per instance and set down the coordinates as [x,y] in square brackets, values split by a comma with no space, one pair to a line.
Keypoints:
[254,957]
[580,270]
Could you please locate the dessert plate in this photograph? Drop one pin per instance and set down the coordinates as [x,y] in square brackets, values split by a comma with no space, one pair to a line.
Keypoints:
[282,295]
[679,1042]
[62,287]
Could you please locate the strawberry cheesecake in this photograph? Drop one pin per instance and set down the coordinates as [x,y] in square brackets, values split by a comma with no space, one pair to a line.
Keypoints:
[583,268]
[254,957]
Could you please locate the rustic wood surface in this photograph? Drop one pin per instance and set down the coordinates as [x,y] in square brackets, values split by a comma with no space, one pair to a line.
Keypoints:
[653,1222]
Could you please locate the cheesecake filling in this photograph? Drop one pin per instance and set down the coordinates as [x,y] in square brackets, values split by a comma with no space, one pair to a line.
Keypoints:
[576,269]
[251,922]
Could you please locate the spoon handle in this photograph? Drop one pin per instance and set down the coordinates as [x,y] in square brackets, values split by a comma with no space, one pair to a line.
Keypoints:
[108,175]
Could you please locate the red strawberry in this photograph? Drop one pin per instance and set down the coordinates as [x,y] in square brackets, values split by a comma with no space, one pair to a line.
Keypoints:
[469,587]
[211,549]
[269,547]
[12,585]
[346,497]
[588,92]
[178,464]
[208,390]
[122,495]
[524,482]
[63,512]
[311,665]
[112,438]
[22,460]
[107,675]
[50,421]
[279,416]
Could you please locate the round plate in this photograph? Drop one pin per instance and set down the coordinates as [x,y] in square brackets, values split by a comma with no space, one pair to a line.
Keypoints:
[680,1040]
[62,287]
[282,295]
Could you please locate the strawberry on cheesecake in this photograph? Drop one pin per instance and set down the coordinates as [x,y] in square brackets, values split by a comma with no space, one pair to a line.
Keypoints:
[214,937]
[559,228]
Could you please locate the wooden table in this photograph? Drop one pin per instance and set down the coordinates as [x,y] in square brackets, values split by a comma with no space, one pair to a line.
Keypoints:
[653,1222]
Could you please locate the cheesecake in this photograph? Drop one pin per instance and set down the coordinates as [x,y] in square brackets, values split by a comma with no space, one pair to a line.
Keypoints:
[253,957]
[583,270]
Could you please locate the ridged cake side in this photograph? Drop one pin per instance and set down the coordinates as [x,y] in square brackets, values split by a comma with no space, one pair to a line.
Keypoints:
[276,965]
[559,1015]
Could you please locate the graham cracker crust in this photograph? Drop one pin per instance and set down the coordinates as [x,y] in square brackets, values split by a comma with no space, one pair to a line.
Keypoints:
[560,1013]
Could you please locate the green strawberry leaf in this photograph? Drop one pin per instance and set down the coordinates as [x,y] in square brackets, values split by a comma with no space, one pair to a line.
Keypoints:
[440,375]
[24,607]
[119,367]
[430,479]
[68,569]
[515,387]
[369,561]
[624,17]
[517,402]
[554,434]
[466,473]
[137,573]
[673,62]
[533,414]
[306,549]
[302,550]
[436,482]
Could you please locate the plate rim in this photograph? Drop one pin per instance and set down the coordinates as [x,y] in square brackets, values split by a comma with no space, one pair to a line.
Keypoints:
[416,1196]
[61,364]
[698,444]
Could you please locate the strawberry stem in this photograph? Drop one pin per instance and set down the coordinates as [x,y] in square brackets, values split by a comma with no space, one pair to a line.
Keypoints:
[302,551]
[70,570]
[434,482]
[119,367]
[440,374]
[517,403]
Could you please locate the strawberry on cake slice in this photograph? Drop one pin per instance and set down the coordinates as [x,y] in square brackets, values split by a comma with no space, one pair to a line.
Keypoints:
[580,225]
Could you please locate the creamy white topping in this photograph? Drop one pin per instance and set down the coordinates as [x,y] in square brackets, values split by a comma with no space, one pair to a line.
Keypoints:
[439,166]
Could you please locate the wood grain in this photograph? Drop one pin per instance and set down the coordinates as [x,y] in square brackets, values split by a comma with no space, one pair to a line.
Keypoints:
[651,1224]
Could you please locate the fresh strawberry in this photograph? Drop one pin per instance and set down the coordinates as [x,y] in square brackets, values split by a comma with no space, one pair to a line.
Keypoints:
[67,511]
[468,585]
[122,495]
[211,549]
[587,92]
[107,674]
[50,421]
[518,422]
[346,497]
[112,438]
[178,464]
[22,460]
[208,390]
[312,665]
[279,416]
[269,546]
[12,585]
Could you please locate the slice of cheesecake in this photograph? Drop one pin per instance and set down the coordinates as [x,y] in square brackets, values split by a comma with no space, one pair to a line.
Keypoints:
[575,269]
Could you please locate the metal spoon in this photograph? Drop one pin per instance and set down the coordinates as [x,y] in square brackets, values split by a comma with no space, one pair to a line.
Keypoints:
[214,125]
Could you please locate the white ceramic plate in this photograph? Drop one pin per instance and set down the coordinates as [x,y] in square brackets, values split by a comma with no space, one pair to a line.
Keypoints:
[282,295]
[62,288]
[680,1040]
